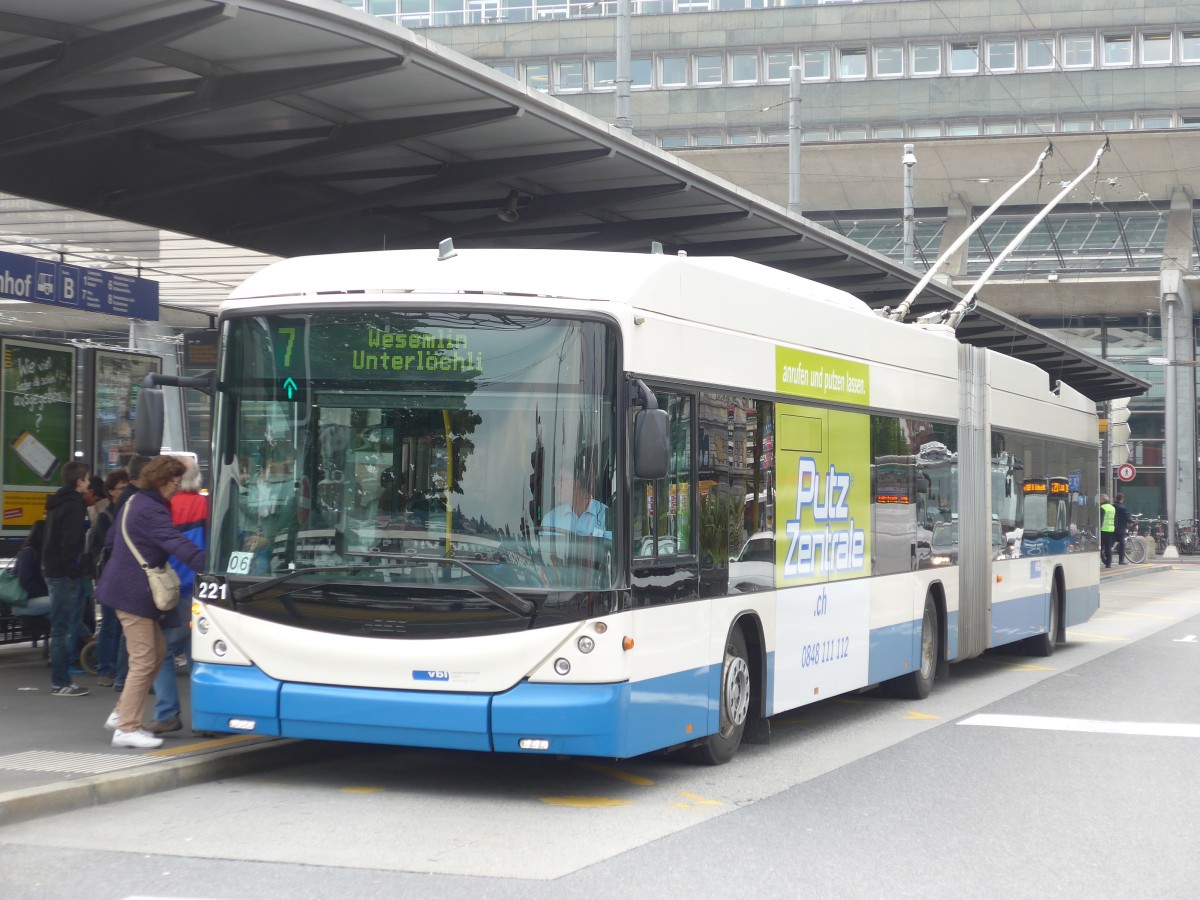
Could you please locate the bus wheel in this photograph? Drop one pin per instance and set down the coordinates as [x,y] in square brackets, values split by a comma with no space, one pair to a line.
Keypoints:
[719,748]
[1043,644]
[917,684]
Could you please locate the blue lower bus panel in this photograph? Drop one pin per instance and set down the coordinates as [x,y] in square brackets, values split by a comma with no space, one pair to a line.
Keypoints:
[613,720]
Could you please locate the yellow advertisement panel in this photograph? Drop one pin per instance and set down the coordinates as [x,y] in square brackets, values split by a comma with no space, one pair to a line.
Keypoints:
[823,466]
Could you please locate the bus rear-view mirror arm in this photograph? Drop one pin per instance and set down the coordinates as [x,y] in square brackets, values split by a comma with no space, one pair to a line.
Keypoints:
[651,435]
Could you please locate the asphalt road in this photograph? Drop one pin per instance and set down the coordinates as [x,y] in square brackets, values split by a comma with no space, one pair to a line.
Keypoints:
[1073,776]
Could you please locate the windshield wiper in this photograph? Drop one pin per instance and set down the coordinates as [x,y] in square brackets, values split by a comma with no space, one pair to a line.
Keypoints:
[507,600]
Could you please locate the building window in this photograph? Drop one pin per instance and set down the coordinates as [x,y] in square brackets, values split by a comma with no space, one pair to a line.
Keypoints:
[743,137]
[1117,123]
[570,75]
[1077,125]
[1189,46]
[709,139]
[779,65]
[1157,121]
[537,76]
[926,131]
[1192,121]
[708,69]
[673,70]
[1039,53]
[888,132]
[1002,56]
[852,133]
[775,136]
[1078,51]
[1001,128]
[1042,127]
[927,59]
[889,61]
[816,65]
[964,57]
[505,69]
[1156,48]
[811,135]
[963,129]
[604,74]
[1118,50]
[743,68]
[672,141]
[852,62]
[641,71]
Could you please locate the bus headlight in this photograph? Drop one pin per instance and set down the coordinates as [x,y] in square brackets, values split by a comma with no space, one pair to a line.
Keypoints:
[562,666]
[585,644]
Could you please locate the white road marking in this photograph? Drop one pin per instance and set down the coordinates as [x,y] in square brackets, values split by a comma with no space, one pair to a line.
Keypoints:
[1190,639]
[1094,726]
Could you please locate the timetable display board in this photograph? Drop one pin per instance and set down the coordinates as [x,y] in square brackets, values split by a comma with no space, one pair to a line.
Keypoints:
[37,415]
[114,380]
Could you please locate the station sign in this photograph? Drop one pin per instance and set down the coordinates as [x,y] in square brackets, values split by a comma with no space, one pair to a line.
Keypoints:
[75,287]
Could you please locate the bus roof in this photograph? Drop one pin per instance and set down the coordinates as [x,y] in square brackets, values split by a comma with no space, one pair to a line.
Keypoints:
[634,279]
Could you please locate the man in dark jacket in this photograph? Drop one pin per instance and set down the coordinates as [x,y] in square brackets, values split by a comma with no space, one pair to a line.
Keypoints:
[62,567]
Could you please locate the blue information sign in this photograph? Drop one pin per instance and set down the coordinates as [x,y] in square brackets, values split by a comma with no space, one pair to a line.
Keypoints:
[88,290]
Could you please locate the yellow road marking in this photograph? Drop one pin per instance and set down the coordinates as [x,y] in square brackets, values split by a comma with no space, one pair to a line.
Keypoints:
[617,773]
[585,802]
[215,744]
[696,798]
[1094,637]
[362,790]
[913,714]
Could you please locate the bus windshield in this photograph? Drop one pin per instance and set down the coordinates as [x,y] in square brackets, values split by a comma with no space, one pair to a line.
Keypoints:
[396,440]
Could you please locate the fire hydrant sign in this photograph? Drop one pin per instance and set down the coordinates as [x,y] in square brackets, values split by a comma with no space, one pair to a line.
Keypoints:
[87,290]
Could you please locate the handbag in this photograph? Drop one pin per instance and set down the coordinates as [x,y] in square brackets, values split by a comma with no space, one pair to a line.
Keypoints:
[164,581]
[11,591]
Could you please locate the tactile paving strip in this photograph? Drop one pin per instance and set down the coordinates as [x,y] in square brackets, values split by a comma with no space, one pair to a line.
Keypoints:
[72,763]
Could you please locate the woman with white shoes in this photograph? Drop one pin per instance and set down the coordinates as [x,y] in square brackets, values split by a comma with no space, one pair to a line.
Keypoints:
[145,521]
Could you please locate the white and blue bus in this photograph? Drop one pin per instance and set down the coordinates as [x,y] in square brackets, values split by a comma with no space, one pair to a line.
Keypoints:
[603,504]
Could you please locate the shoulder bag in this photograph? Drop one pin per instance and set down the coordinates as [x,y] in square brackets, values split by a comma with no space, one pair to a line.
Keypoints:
[164,582]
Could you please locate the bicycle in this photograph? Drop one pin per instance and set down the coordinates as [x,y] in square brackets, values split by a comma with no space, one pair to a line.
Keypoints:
[1135,549]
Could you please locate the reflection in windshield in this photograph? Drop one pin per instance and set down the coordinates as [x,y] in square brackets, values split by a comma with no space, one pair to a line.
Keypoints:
[394,440]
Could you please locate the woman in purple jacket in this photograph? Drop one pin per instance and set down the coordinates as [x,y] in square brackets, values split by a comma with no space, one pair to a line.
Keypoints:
[125,588]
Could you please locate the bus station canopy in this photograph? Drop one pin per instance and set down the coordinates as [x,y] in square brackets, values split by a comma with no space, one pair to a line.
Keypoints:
[293,127]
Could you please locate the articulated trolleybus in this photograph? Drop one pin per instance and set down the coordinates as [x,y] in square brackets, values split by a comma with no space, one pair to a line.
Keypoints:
[604,504]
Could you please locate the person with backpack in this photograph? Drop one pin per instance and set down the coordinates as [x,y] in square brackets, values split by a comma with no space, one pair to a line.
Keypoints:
[62,567]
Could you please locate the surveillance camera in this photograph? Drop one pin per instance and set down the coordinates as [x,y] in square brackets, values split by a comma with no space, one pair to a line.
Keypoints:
[504,214]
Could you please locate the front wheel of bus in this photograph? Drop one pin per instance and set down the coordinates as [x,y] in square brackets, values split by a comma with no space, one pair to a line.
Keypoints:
[719,748]
[916,685]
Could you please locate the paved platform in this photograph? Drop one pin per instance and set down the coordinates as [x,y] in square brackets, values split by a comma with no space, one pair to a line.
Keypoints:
[56,756]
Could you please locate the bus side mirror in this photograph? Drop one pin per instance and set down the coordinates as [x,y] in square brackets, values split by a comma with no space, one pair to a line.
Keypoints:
[651,444]
[148,422]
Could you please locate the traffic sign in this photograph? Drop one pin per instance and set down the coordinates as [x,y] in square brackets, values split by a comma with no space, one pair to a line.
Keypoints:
[1126,472]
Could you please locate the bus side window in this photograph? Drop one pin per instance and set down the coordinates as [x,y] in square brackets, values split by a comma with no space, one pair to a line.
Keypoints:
[662,510]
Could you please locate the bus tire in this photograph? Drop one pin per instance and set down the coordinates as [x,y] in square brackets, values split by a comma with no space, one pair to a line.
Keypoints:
[720,747]
[1043,644]
[918,684]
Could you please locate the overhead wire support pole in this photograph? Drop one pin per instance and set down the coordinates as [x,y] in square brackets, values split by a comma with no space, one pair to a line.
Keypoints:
[624,120]
[795,137]
[898,314]
[955,316]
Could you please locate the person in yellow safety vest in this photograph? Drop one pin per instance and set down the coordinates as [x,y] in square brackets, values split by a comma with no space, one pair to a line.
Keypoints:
[1108,530]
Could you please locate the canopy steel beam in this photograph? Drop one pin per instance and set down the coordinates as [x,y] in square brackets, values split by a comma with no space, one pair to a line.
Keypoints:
[343,140]
[221,92]
[621,234]
[86,55]
[452,176]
